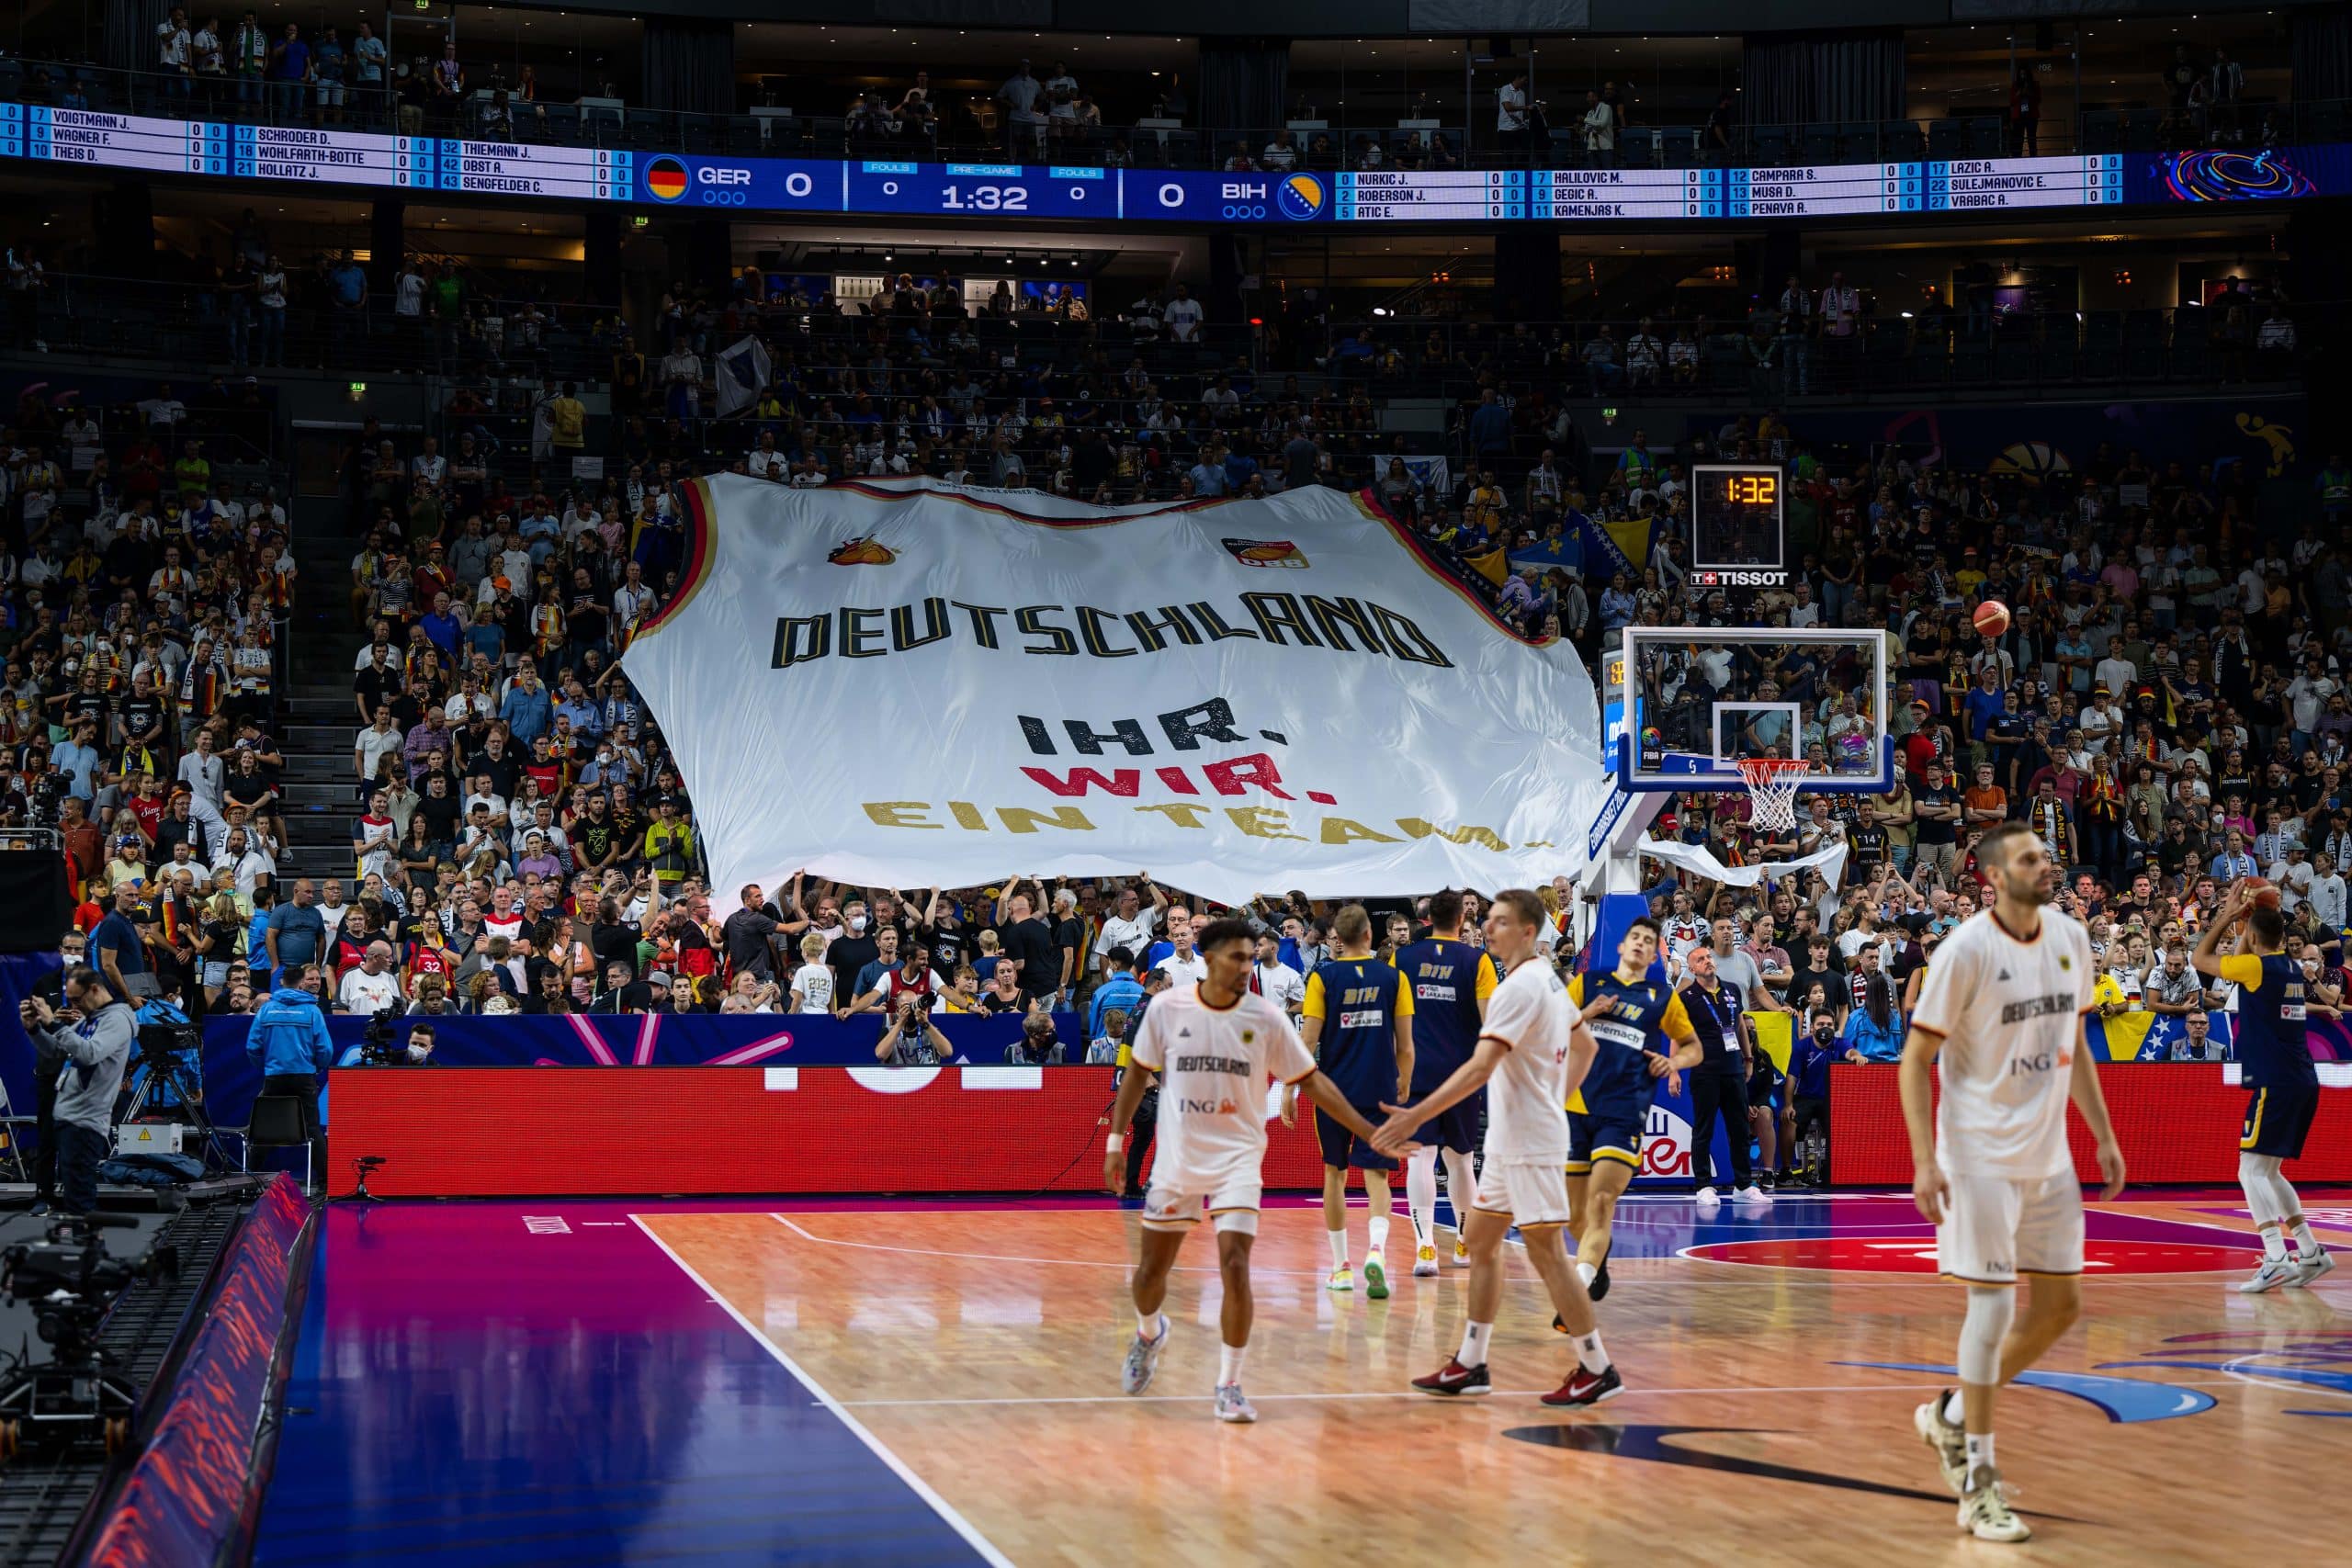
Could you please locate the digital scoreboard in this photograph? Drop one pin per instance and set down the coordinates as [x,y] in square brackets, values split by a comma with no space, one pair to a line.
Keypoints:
[1737,535]
[1059,192]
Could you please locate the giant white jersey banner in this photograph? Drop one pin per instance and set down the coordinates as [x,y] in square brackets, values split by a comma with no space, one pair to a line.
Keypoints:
[906,683]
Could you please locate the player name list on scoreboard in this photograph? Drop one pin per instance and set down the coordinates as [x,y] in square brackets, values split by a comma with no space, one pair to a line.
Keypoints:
[113,141]
[1400,196]
[1995,184]
[1626,193]
[297,152]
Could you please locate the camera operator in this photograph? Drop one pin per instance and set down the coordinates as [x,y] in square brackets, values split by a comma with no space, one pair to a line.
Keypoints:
[288,1042]
[93,1035]
[1038,1045]
[73,950]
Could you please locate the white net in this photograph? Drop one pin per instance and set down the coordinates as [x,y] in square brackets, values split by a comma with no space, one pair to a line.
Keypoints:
[1772,791]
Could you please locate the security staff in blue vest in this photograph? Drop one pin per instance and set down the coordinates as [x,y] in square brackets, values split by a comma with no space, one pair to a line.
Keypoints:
[1451,981]
[1358,1022]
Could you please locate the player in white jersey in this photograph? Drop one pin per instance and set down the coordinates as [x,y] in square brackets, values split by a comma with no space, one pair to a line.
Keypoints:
[1213,1044]
[2001,1020]
[1533,1050]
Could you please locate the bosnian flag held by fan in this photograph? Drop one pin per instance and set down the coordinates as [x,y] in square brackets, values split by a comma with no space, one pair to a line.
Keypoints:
[742,375]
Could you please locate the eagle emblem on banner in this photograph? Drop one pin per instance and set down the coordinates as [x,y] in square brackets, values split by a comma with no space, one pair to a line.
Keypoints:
[1267,553]
[861,551]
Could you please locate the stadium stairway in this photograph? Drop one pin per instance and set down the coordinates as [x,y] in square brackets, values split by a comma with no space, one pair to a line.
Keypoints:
[317,718]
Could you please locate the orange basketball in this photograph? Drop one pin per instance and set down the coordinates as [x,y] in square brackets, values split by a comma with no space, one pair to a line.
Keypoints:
[2264,894]
[1992,617]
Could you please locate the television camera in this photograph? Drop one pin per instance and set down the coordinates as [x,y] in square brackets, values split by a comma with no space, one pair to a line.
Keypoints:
[79,1400]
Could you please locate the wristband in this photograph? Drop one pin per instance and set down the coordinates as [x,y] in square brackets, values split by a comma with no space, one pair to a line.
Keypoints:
[1114,1143]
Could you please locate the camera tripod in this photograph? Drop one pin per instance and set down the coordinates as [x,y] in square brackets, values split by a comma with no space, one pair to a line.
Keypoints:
[167,1072]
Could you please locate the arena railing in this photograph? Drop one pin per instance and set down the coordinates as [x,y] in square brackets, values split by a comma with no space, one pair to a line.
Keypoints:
[1320,145]
[1938,349]
[202,328]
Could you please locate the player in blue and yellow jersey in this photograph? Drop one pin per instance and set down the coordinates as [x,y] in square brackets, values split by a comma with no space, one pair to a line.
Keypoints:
[1634,1018]
[1358,1024]
[2275,1056]
[1450,981]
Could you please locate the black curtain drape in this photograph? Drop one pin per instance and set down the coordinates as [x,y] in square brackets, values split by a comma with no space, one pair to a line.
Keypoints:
[1822,76]
[2323,54]
[690,65]
[1242,83]
[131,32]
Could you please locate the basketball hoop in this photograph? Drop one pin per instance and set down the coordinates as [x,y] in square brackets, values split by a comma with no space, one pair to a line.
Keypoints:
[1772,790]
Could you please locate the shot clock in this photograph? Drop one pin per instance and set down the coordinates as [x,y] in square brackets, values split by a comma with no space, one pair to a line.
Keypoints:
[1736,538]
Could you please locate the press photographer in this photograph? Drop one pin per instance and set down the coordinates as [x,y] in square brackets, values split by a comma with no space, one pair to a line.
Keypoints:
[93,1035]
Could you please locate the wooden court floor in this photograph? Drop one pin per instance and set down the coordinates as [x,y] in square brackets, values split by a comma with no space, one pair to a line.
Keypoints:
[1768,1355]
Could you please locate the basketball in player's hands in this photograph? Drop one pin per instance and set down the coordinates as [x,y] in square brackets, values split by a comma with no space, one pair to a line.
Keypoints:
[2261,894]
[1992,617]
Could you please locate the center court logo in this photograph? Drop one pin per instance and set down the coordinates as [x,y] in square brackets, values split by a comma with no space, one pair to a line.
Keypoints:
[1300,198]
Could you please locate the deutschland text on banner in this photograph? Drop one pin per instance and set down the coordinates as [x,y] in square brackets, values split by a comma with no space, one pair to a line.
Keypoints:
[908,682]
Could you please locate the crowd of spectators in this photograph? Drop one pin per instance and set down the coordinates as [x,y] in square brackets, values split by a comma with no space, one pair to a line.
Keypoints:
[145,602]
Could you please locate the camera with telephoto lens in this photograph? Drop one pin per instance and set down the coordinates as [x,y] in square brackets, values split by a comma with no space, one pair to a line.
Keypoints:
[73,1280]
[377,1046]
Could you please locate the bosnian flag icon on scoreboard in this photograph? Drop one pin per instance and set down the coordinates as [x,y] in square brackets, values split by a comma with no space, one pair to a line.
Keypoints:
[665,179]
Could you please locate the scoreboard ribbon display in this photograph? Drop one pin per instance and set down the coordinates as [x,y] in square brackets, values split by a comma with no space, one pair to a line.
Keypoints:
[215,149]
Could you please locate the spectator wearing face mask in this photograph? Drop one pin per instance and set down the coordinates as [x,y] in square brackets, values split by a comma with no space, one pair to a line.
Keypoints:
[1810,1056]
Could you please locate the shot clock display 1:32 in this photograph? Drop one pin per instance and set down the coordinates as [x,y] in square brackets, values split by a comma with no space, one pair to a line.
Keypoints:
[1735,518]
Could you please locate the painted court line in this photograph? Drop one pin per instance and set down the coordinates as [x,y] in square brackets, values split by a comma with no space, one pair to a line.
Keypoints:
[1123,1265]
[857,1428]
[1498,1393]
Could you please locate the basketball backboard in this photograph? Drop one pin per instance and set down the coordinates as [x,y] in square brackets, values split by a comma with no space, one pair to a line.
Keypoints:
[1683,704]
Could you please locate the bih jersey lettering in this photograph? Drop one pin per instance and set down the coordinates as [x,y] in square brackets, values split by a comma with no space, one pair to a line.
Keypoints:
[1527,1122]
[1448,980]
[2274,1053]
[2009,1014]
[1610,1109]
[1214,1063]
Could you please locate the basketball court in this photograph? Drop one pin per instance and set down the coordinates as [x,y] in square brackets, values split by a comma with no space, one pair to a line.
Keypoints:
[912,1380]
[927,1383]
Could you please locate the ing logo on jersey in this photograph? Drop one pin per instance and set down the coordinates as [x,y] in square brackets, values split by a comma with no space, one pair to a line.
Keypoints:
[1249,1037]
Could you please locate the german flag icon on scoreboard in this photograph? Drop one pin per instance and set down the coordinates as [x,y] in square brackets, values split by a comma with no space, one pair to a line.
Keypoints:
[665,179]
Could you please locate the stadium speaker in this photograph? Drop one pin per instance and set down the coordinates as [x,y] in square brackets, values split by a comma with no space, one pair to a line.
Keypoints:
[35,906]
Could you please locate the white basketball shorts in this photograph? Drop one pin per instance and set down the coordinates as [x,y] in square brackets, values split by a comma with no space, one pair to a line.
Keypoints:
[1996,1228]
[1531,1194]
[1232,1204]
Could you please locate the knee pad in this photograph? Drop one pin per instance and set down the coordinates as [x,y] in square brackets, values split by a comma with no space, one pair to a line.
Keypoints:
[1991,1310]
[2257,1174]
